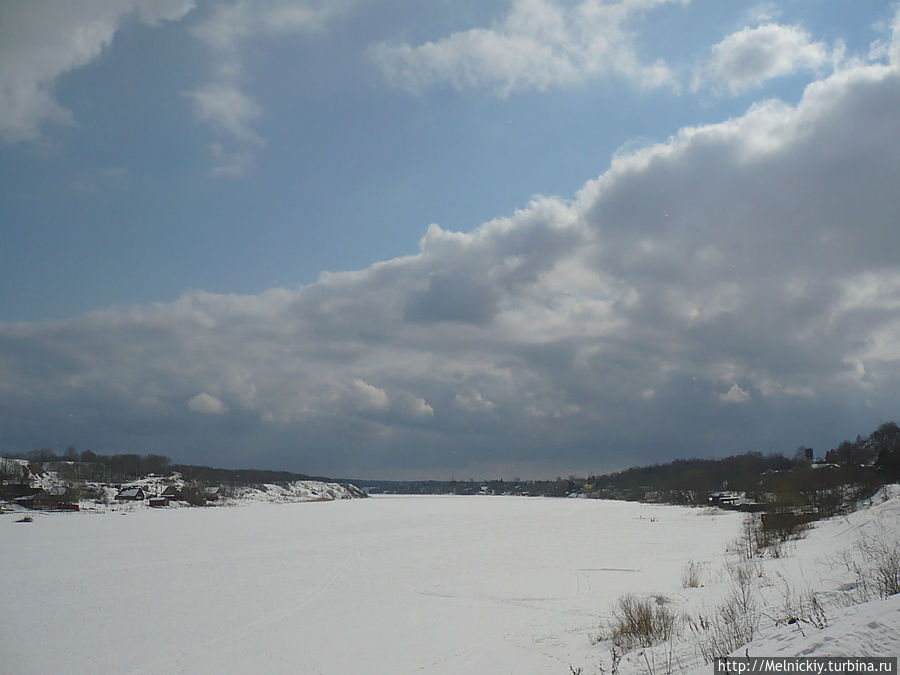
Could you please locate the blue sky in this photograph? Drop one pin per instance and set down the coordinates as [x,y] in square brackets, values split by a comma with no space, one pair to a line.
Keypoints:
[375,237]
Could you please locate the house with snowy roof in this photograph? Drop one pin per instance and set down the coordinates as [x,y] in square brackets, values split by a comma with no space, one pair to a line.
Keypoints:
[131,494]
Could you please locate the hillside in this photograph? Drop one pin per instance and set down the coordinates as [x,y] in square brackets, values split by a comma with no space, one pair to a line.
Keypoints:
[831,591]
[61,485]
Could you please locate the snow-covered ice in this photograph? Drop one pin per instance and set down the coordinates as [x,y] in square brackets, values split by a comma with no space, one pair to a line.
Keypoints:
[384,585]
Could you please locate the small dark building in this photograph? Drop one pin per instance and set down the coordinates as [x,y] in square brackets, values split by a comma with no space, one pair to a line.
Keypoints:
[12,491]
[171,493]
[131,494]
[159,501]
[53,499]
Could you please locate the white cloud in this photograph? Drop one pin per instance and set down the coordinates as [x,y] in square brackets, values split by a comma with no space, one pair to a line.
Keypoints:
[223,102]
[206,404]
[230,162]
[764,12]
[369,397]
[227,107]
[229,25]
[538,45]
[473,402]
[757,251]
[413,407]
[39,41]
[735,395]
[887,49]
[895,39]
[752,56]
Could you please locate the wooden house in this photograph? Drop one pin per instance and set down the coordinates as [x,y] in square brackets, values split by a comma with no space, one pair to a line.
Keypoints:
[131,494]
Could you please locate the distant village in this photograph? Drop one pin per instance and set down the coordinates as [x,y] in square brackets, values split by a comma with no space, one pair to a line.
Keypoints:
[71,485]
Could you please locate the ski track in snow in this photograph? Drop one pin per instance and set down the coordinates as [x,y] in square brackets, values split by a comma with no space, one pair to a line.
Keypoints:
[252,627]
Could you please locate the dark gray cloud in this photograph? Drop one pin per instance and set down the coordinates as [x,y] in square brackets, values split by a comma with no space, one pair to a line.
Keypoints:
[452,299]
[733,288]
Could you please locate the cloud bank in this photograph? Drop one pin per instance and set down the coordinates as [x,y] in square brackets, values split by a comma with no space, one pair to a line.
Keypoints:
[537,45]
[735,287]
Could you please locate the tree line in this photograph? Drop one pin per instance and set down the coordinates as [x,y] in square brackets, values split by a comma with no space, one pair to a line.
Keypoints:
[853,470]
[88,465]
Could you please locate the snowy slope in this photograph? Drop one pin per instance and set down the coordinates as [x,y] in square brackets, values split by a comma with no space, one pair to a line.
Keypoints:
[296,491]
[868,629]
[815,564]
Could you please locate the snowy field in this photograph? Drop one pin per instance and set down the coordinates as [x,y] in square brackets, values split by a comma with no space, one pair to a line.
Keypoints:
[383,585]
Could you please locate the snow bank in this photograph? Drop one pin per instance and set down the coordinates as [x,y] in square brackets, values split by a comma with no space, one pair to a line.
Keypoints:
[868,629]
[814,566]
[14,467]
[296,491]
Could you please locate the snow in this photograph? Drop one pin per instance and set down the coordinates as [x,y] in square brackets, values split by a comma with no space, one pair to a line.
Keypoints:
[33,474]
[389,584]
[294,491]
[869,629]
[14,467]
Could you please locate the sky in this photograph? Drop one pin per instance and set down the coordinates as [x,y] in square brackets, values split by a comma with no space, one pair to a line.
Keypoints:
[393,239]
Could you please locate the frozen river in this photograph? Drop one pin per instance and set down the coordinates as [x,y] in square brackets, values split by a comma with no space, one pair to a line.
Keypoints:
[383,585]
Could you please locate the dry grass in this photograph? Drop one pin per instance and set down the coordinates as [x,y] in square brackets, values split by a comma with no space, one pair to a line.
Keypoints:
[640,622]
[734,622]
[875,560]
[691,574]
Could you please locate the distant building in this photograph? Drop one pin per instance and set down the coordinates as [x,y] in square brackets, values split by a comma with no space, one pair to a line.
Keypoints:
[131,494]
[171,492]
[723,498]
[53,499]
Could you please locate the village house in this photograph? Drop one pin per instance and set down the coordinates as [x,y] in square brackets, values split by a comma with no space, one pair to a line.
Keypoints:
[131,494]
[54,498]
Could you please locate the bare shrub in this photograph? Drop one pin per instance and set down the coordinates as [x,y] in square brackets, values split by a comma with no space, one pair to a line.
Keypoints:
[734,622]
[660,664]
[875,560]
[640,622]
[691,574]
[756,540]
[748,545]
[799,608]
[782,527]
[615,658]
[765,534]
